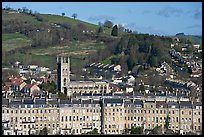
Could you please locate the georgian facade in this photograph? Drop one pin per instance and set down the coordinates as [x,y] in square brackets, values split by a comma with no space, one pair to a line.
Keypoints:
[108,115]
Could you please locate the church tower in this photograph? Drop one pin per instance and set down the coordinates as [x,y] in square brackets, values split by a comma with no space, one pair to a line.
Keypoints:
[63,73]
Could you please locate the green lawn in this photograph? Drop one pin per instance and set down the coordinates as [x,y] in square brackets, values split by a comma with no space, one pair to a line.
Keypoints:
[14,40]
[108,60]
[46,57]
[72,48]
[73,22]
[20,16]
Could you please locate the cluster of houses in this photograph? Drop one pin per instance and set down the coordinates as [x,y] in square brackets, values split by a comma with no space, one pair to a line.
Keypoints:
[30,69]
[165,69]
[19,84]
[101,66]
[105,70]
[194,67]
[110,107]
[179,84]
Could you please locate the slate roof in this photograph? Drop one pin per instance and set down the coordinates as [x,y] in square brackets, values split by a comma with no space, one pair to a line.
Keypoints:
[185,104]
[52,101]
[63,101]
[5,101]
[16,102]
[86,94]
[28,101]
[96,102]
[54,96]
[113,100]
[197,104]
[138,102]
[40,101]
[127,102]
[97,94]
[170,104]
[74,101]
[150,95]
[86,102]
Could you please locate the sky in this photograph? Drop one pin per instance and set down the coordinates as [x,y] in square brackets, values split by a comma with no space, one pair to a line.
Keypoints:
[158,18]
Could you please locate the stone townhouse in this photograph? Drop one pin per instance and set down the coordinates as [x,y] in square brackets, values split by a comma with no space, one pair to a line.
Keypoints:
[113,116]
[108,115]
[134,113]
[79,116]
[197,117]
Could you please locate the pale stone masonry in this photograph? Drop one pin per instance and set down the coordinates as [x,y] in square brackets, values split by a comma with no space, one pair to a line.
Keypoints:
[108,115]
[68,87]
[93,105]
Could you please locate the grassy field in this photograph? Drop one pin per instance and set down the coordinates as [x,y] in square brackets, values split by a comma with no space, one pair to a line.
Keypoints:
[108,60]
[77,50]
[72,48]
[14,40]
[73,22]
[50,18]
[47,57]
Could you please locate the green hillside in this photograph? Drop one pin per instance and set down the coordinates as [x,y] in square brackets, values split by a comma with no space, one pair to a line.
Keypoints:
[12,41]
[20,30]
[39,38]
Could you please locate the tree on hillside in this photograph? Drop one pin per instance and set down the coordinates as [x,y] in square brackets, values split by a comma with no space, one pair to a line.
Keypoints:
[74,15]
[121,27]
[130,63]
[115,31]
[25,10]
[153,61]
[49,86]
[63,14]
[19,10]
[100,24]
[108,24]
[30,12]
[142,87]
[7,8]
[100,30]
[122,62]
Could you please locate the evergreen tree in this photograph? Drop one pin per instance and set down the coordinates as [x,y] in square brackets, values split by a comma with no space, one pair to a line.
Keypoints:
[115,31]
[63,14]
[136,130]
[74,15]
[44,131]
[100,30]
[108,24]
[130,63]
[93,132]
[167,121]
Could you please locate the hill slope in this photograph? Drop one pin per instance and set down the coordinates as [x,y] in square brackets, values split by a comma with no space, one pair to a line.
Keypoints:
[40,37]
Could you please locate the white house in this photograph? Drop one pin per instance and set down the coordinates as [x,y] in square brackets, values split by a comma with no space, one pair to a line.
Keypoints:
[117,68]
[196,46]
[129,89]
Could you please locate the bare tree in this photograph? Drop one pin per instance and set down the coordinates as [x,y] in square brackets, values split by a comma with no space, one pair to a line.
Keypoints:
[74,15]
